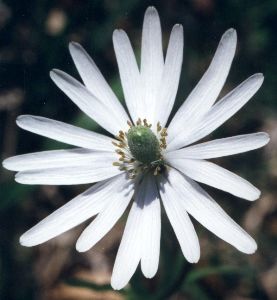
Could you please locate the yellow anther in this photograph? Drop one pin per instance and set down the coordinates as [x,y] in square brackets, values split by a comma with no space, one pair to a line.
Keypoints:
[159,127]
[122,168]
[115,144]
[138,122]
[118,151]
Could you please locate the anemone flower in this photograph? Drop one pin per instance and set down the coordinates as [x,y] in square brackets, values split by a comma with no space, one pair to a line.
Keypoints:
[147,159]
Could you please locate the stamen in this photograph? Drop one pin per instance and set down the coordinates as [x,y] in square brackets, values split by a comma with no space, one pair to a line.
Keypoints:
[115,144]
[140,149]
[159,127]
[138,122]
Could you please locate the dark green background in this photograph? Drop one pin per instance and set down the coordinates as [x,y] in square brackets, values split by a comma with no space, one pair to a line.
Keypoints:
[29,49]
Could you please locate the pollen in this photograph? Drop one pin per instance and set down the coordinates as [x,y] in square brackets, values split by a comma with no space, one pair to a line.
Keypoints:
[140,149]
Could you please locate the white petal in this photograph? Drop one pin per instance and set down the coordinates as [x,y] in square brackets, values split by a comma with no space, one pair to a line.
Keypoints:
[206,211]
[171,75]
[65,133]
[152,62]
[99,111]
[106,219]
[216,176]
[222,147]
[207,90]
[99,170]
[151,234]
[219,113]
[95,81]
[129,73]
[73,213]
[129,252]
[180,222]
[53,159]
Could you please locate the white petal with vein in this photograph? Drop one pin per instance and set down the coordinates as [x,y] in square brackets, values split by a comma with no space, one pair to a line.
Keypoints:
[98,110]
[207,90]
[129,252]
[171,75]
[152,63]
[219,113]
[65,133]
[180,222]
[206,211]
[129,73]
[53,159]
[98,170]
[222,147]
[151,233]
[94,80]
[216,176]
[107,218]
[76,211]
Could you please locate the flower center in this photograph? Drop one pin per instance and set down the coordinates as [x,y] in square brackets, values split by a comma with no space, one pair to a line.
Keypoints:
[143,144]
[140,149]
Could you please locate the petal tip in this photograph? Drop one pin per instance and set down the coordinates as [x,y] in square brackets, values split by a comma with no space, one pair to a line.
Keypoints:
[116,285]
[252,248]
[148,272]
[20,119]
[53,72]
[193,259]
[19,178]
[151,10]
[258,76]
[178,28]
[267,138]
[74,46]
[117,32]
[229,38]
[25,241]
[254,194]
[80,247]
[231,32]
[6,163]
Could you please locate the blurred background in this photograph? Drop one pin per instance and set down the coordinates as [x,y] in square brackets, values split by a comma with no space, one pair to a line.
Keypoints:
[34,37]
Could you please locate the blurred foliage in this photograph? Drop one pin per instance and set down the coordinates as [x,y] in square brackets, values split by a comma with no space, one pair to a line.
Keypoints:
[34,37]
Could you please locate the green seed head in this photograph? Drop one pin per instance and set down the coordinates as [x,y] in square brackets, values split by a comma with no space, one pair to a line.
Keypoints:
[143,144]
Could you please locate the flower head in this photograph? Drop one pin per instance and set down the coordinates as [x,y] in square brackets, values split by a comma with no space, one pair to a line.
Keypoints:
[148,160]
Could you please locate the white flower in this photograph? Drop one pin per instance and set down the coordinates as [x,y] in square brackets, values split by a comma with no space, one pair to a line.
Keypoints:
[145,163]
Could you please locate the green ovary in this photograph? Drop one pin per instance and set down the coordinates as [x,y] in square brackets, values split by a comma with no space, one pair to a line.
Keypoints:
[143,144]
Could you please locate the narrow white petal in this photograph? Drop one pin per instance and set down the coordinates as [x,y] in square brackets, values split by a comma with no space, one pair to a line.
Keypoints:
[129,252]
[53,159]
[207,90]
[65,133]
[180,222]
[218,114]
[222,147]
[99,111]
[129,73]
[207,212]
[98,170]
[94,80]
[73,213]
[152,62]
[106,219]
[216,176]
[151,234]
[171,75]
